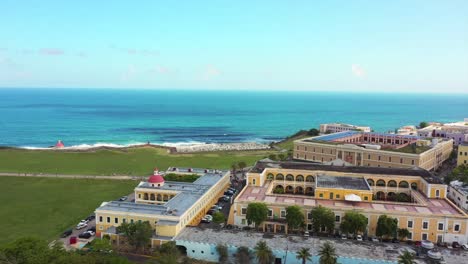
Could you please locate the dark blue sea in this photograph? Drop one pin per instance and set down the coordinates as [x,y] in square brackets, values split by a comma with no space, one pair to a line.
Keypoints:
[39,117]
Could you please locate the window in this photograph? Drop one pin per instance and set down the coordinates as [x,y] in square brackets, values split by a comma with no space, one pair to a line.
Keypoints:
[337,196]
[283,213]
[253,181]
[389,159]
[368,156]
[410,223]
[124,220]
[131,221]
[309,215]
[456,227]
[243,211]
[116,220]
[321,195]
[379,157]
[108,219]
[437,193]
[401,160]
[243,222]
[424,236]
[305,148]
[412,162]
[440,226]
[365,198]
[297,156]
[410,236]
[139,195]
[270,213]
[337,218]
[425,225]
[100,219]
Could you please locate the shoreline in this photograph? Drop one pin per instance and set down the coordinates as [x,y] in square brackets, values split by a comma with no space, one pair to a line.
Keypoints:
[188,147]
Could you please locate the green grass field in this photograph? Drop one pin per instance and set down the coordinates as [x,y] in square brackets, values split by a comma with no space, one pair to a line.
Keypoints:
[138,161]
[45,207]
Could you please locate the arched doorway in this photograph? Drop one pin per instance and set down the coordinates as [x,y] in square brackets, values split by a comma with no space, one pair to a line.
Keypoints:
[299,190]
[403,184]
[309,191]
[380,196]
[391,183]
[289,177]
[380,183]
[310,178]
[414,186]
[278,189]
[279,177]
[289,189]
[370,182]
[299,178]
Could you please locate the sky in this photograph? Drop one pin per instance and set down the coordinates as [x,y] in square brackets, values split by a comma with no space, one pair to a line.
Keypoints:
[388,46]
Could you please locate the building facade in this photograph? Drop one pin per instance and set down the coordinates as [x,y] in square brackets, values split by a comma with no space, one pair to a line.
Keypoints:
[374,150]
[457,131]
[462,156]
[168,206]
[458,193]
[338,127]
[416,198]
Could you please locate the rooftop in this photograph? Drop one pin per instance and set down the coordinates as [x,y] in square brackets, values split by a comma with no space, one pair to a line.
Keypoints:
[302,165]
[187,194]
[342,182]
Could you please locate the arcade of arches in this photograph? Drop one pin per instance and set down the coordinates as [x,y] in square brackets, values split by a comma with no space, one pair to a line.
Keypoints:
[384,190]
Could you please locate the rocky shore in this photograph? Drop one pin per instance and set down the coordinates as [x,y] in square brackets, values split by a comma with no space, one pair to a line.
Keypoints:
[221,147]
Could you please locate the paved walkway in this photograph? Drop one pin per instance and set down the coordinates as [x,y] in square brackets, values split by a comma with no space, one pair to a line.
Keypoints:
[65,176]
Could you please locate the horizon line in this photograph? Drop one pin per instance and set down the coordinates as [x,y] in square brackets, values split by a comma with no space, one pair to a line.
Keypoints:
[241,90]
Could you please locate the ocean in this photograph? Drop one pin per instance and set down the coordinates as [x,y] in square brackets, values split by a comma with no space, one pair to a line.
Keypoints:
[40,117]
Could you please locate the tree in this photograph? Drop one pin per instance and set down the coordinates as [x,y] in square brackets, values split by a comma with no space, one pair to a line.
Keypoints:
[263,253]
[294,217]
[327,254]
[386,226]
[353,223]
[218,217]
[257,213]
[102,245]
[313,132]
[322,218]
[243,255]
[168,253]
[423,124]
[406,258]
[403,233]
[304,255]
[233,168]
[242,165]
[460,173]
[222,252]
[272,157]
[281,156]
[138,234]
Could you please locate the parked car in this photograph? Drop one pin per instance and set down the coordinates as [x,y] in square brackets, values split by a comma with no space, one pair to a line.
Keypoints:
[215,207]
[455,244]
[91,232]
[374,239]
[85,235]
[207,219]
[67,233]
[219,207]
[395,240]
[417,243]
[93,229]
[85,221]
[224,198]
[81,225]
[90,218]
[343,236]
[123,198]
[306,233]
[464,246]
[359,238]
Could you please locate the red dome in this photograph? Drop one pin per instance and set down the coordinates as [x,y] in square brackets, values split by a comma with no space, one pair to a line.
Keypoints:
[156,179]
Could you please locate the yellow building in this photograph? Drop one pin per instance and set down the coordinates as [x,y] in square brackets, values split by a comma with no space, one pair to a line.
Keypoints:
[462,157]
[168,206]
[415,197]
[374,150]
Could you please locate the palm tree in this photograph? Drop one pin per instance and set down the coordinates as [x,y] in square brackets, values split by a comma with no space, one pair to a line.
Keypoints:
[304,254]
[406,258]
[233,168]
[327,254]
[263,253]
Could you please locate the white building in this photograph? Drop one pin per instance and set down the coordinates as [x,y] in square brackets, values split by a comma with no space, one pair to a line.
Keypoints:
[339,127]
[457,131]
[458,193]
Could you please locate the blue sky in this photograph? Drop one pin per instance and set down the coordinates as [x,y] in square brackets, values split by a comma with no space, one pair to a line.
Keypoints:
[393,46]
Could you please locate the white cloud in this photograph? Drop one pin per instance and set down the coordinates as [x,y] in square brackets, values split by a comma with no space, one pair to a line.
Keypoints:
[358,71]
[210,72]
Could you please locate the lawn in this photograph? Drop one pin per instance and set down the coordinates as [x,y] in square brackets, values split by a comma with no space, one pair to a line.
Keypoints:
[45,207]
[138,161]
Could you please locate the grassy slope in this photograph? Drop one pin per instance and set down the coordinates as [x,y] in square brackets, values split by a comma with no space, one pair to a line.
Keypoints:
[289,143]
[45,207]
[139,161]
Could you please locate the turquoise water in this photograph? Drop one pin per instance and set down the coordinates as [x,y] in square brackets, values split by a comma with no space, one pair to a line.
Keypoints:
[39,117]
